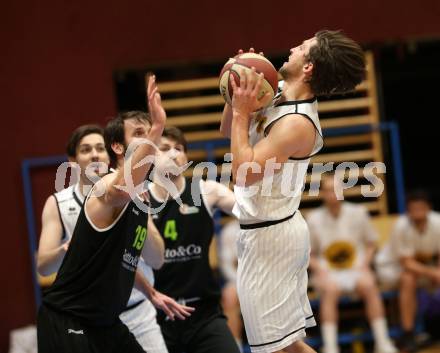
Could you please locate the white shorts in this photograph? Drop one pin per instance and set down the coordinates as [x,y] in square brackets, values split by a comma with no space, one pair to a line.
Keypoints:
[141,321]
[272,284]
[345,279]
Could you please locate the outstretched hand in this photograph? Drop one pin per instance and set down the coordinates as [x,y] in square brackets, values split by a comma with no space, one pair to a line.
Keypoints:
[170,307]
[245,98]
[155,108]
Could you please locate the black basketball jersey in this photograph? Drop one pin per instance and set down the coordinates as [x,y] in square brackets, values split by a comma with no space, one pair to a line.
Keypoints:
[187,231]
[97,274]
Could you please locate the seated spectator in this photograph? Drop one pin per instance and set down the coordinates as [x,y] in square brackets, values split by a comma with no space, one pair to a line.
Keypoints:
[416,242]
[228,266]
[343,245]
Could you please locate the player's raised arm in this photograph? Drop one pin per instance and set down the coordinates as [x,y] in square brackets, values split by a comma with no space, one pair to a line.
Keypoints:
[225,124]
[133,172]
[284,140]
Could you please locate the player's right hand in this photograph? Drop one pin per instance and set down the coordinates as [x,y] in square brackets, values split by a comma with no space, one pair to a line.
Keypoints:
[245,99]
[170,307]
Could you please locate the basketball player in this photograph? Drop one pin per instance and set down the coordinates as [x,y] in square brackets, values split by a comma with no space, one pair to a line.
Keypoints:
[277,143]
[80,311]
[415,240]
[61,210]
[343,246]
[187,229]
[86,145]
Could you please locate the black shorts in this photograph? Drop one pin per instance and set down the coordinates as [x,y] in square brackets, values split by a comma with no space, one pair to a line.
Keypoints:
[205,331]
[57,333]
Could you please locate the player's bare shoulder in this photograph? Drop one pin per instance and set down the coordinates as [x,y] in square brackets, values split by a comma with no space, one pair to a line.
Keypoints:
[102,187]
[50,207]
[295,131]
[291,124]
[99,209]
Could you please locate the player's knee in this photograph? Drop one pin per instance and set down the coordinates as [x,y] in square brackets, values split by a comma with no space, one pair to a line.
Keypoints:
[298,347]
[330,289]
[366,285]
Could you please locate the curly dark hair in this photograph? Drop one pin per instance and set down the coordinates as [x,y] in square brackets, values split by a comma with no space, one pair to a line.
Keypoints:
[338,63]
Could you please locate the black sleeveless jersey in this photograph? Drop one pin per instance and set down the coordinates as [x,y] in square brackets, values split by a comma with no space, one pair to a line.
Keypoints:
[96,277]
[187,230]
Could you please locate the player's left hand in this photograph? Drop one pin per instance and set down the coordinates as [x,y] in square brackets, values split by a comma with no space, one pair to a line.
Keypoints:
[155,108]
[170,307]
[245,99]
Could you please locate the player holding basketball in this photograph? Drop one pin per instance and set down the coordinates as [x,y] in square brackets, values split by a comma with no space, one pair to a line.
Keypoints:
[277,142]
[80,311]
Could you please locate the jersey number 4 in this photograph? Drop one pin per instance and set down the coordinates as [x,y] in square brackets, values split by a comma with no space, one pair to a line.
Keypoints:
[170,230]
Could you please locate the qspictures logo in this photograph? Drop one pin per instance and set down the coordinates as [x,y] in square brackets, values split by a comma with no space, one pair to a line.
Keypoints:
[347,174]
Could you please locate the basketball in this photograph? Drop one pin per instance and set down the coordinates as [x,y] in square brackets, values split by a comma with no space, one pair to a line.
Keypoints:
[245,62]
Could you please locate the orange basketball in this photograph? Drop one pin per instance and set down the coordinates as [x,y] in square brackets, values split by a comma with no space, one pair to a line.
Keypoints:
[245,62]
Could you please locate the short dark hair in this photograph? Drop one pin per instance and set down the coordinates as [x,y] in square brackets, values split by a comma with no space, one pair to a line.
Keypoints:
[114,132]
[418,195]
[175,134]
[338,63]
[77,136]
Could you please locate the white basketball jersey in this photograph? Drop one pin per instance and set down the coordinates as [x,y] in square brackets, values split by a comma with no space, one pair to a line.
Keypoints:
[278,195]
[70,202]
